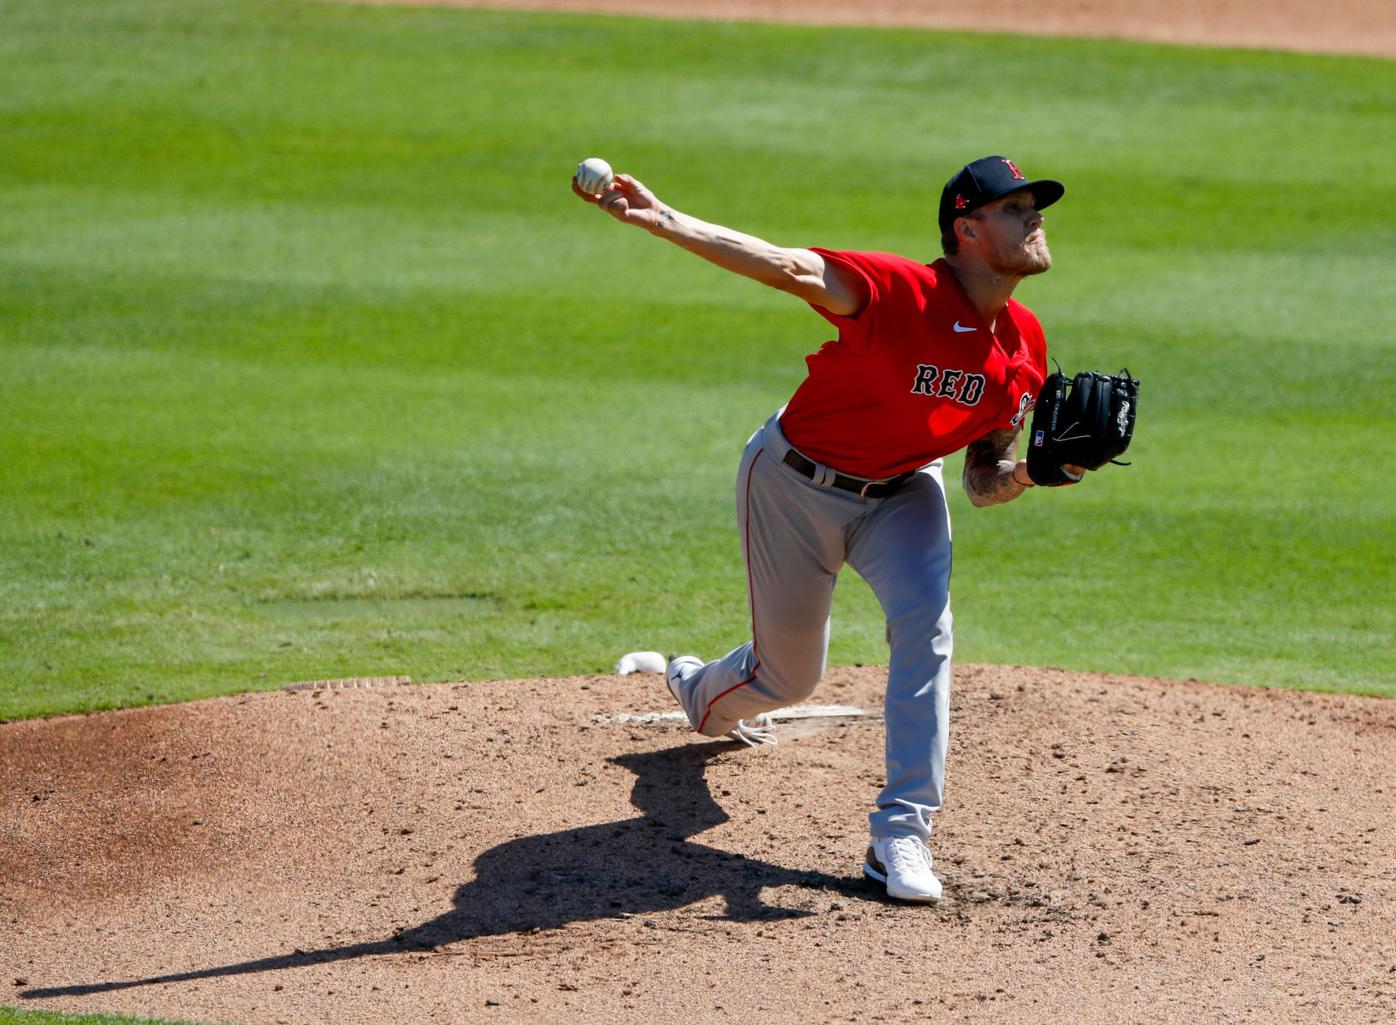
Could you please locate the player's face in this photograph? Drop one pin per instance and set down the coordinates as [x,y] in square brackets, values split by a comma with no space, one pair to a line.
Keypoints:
[1014,243]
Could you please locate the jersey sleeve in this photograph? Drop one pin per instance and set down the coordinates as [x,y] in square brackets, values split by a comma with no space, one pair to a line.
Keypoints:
[885,276]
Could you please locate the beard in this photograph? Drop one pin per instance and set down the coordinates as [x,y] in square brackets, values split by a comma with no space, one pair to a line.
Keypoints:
[1031,257]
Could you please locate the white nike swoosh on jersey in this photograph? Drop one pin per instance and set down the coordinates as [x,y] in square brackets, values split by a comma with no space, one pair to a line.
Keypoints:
[961,330]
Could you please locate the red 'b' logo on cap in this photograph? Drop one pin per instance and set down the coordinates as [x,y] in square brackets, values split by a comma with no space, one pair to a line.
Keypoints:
[1017,174]
[960,202]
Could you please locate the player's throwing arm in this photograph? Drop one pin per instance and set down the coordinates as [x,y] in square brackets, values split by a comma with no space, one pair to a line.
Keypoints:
[800,272]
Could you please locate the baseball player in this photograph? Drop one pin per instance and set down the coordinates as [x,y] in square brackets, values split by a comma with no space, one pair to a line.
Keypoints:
[929,359]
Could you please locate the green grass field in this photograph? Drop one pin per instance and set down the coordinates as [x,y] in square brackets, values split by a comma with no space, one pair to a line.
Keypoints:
[314,367]
[16,1017]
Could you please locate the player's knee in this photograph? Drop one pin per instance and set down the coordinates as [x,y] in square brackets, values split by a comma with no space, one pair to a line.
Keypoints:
[797,684]
[923,626]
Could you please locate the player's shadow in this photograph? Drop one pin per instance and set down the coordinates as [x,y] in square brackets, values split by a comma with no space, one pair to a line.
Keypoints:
[619,869]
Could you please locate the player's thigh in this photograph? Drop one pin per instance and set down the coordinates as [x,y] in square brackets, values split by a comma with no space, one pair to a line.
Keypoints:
[792,537]
[903,550]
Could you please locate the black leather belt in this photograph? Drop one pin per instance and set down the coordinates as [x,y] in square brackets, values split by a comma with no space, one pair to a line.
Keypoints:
[857,485]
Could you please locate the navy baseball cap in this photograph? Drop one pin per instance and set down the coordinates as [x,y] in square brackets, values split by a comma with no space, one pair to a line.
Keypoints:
[986,180]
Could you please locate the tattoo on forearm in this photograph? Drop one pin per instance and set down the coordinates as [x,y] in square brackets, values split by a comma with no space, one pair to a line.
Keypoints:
[992,484]
[989,462]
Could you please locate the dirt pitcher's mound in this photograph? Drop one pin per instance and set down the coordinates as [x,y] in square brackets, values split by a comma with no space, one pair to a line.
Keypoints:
[1114,850]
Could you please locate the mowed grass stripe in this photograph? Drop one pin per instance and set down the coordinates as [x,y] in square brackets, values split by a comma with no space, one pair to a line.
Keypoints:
[315,368]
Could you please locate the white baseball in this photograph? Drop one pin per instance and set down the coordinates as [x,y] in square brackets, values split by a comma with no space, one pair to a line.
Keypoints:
[594,176]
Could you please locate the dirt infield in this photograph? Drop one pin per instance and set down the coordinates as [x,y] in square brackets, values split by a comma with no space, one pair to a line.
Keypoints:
[1366,27]
[1114,850]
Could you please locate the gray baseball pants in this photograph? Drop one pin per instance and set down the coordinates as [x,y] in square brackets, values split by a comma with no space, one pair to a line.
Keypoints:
[797,534]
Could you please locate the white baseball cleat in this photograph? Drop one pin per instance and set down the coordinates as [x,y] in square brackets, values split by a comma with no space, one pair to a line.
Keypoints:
[641,662]
[903,865]
[751,732]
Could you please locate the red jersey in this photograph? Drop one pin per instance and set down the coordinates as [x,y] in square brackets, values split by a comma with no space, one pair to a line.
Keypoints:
[916,375]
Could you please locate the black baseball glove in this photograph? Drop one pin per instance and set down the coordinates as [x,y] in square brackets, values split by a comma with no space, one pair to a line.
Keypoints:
[1086,421]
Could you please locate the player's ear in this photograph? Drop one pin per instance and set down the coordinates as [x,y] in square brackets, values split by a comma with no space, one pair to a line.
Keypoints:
[966,230]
